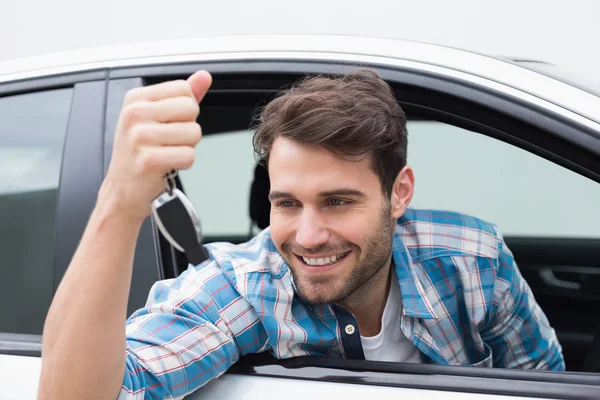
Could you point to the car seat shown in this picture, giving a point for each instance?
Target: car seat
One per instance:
(260, 206)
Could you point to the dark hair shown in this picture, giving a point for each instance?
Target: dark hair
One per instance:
(350, 116)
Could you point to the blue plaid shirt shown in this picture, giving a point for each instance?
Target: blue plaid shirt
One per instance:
(464, 303)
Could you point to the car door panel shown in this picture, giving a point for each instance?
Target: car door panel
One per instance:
(78, 182)
(233, 386)
(564, 275)
(20, 377)
(392, 380)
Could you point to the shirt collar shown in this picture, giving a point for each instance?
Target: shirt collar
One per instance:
(414, 300)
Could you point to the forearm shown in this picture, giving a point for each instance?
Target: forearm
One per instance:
(83, 352)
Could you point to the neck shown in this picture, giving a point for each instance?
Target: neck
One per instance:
(368, 302)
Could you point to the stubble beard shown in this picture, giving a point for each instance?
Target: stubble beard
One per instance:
(328, 290)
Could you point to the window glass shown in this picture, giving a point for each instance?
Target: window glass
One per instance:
(522, 193)
(219, 183)
(455, 169)
(32, 134)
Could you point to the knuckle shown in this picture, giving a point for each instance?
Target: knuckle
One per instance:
(193, 107)
(145, 161)
(130, 95)
(188, 157)
(138, 134)
(134, 112)
(197, 133)
(179, 88)
(185, 87)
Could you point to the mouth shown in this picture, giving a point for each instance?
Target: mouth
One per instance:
(321, 262)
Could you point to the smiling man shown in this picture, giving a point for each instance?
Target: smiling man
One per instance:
(346, 268)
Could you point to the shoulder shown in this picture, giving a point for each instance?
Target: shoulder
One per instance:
(230, 267)
(258, 255)
(437, 233)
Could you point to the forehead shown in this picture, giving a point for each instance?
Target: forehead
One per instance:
(296, 167)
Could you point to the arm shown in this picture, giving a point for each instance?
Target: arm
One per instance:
(83, 345)
(83, 338)
(192, 330)
(518, 331)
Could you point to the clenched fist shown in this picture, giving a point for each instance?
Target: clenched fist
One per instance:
(157, 132)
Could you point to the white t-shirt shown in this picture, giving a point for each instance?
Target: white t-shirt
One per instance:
(390, 344)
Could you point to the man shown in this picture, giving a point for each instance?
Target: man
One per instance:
(346, 269)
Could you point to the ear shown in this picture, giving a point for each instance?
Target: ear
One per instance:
(402, 191)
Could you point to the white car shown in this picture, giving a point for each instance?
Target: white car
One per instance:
(509, 141)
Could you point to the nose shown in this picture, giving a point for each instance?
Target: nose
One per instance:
(312, 229)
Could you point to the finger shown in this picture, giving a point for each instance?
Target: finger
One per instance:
(174, 109)
(200, 82)
(171, 134)
(160, 91)
(162, 159)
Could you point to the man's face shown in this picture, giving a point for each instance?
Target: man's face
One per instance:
(329, 220)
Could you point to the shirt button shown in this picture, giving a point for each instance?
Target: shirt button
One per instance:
(350, 329)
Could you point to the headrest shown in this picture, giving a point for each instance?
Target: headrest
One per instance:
(260, 207)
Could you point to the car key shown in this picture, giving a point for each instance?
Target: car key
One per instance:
(178, 221)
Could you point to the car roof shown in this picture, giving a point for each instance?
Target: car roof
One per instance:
(144, 53)
(310, 47)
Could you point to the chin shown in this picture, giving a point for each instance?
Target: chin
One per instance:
(318, 287)
(317, 298)
(317, 292)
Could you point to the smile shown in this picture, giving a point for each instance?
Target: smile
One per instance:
(312, 261)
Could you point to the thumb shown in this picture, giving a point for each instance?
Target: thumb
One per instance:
(200, 82)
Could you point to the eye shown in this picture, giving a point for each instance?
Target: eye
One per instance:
(336, 202)
(285, 204)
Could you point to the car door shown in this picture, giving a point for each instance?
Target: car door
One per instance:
(52, 162)
(30, 158)
(446, 116)
(37, 121)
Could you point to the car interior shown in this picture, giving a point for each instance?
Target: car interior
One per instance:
(563, 273)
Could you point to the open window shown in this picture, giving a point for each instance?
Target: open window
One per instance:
(473, 151)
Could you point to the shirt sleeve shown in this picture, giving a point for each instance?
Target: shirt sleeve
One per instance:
(518, 332)
(191, 330)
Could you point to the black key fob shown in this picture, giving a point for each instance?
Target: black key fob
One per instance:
(179, 223)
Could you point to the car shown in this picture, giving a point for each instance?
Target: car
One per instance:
(510, 141)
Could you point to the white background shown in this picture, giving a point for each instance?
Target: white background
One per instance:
(563, 32)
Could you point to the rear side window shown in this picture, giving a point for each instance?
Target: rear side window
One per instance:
(32, 134)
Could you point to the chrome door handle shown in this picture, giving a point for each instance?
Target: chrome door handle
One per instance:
(552, 281)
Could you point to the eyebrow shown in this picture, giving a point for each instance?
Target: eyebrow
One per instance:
(337, 192)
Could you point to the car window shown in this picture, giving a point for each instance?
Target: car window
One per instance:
(219, 183)
(32, 134)
(455, 169)
(525, 195)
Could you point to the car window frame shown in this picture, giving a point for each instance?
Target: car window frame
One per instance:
(568, 138)
(147, 265)
(30, 344)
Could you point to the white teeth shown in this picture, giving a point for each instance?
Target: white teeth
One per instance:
(323, 261)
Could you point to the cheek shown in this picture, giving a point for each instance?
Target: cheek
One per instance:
(280, 229)
(352, 226)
